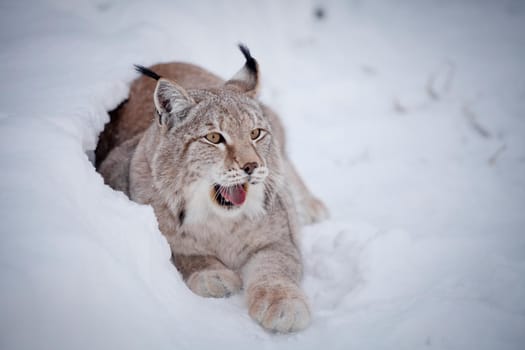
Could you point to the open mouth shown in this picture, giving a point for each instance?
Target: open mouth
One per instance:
(230, 196)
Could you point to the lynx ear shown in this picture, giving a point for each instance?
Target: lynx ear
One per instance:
(171, 102)
(247, 79)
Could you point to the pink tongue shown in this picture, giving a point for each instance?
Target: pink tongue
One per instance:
(235, 194)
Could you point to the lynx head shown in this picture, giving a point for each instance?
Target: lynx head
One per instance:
(214, 150)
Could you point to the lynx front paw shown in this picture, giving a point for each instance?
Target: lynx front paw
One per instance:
(214, 283)
(313, 211)
(279, 308)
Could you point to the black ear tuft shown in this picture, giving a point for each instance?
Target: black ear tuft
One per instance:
(246, 80)
(147, 72)
(251, 64)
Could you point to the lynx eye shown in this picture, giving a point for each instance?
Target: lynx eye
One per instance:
(214, 137)
(255, 133)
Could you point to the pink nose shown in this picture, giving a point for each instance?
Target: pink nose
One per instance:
(250, 167)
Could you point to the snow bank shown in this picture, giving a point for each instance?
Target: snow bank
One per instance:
(405, 116)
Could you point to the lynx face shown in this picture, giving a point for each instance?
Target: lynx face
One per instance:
(219, 154)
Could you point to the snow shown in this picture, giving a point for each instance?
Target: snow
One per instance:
(406, 117)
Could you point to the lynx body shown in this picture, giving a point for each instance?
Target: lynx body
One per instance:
(210, 159)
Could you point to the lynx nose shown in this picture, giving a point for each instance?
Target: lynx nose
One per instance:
(250, 167)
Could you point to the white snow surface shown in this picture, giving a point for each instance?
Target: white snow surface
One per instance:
(407, 117)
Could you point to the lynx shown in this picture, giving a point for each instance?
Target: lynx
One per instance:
(210, 159)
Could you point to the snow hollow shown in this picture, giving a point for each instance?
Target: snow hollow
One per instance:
(407, 117)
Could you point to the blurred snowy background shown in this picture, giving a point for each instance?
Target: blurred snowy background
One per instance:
(406, 116)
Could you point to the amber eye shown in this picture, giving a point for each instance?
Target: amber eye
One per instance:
(255, 133)
(214, 137)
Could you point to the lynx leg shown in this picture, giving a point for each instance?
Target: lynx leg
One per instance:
(115, 167)
(273, 295)
(309, 208)
(207, 276)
